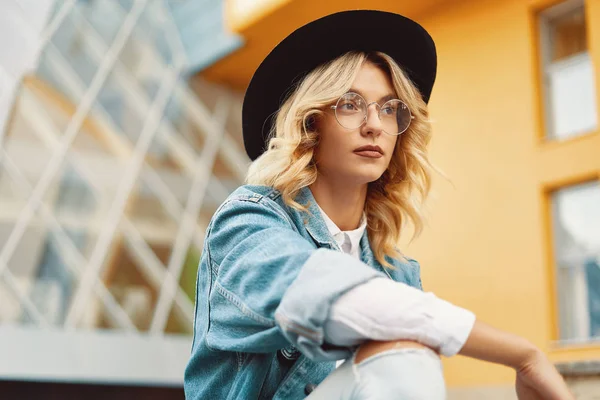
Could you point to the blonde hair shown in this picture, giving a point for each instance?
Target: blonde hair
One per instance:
(397, 196)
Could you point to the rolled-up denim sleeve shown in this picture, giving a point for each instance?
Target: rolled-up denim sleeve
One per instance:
(256, 256)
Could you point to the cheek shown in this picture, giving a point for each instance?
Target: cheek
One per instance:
(391, 147)
(331, 140)
(326, 153)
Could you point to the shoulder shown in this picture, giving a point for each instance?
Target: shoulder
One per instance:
(249, 217)
(254, 193)
(262, 196)
(266, 195)
(407, 270)
(249, 204)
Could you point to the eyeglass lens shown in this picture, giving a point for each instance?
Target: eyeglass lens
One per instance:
(351, 112)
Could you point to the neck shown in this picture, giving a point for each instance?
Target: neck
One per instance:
(343, 203)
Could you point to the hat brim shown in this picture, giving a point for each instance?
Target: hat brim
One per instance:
(313, 44)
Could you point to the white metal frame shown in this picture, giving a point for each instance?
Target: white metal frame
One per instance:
(56, 161)
(198, 167)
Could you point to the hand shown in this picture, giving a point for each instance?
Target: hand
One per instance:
(538, 379)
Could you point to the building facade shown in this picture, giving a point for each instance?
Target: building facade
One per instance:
(112, 161)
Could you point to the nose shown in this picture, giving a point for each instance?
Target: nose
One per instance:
(372, 125)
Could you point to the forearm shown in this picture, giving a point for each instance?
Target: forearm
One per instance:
(389, 312)
(494, 345)
(484, 343)
(384, 310)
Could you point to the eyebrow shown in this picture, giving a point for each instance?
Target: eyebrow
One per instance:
(383, 99)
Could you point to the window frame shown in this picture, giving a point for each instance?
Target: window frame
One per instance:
(556, 341)
(543, 18)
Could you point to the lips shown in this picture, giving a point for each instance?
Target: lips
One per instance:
(369, 151)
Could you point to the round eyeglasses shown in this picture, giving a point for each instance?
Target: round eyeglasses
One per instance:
(351, 112)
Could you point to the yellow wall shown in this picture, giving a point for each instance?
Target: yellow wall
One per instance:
(488, 246)
(488, 243)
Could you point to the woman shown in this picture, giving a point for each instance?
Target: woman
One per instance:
(295, 272)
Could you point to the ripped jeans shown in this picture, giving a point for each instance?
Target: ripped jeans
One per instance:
(402, 373)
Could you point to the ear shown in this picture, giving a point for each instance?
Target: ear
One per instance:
(310, 123)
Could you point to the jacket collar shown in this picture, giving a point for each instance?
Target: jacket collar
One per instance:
(317, 229)
(367, 256)
(313, 221)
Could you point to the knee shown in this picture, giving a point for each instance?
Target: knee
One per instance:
(372, 348)
(408, 371)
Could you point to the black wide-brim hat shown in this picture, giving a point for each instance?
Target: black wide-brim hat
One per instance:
(323, 40)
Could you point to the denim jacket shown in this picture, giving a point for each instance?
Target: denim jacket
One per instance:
(267, 278)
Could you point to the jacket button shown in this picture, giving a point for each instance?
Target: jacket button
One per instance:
(308, 389)
(290, 353)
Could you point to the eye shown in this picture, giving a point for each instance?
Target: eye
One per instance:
(348, 106)
(389, 110)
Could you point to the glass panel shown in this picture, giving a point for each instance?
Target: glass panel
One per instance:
(233, 125)
(142, 65)
(154, 221)
(177, 323)
(18, 126)
(131, 286)
(73, 201)
(208, 92)
(106, 17)
(68, 43)
(48, 256)
(125, 114)
(215, 195)
(571, 88)
(187, 132)
(13, 194)
(39, 266)
(125, 4)
(23, 144)
(150, 216)
(576, 215)
(95, 315)
(187, 280)
(153, 30)
(146, 52)
(226, 175)
(162, 251)
(163, 160)
(54, 279)
(568, 34)
(54, 10)
(56, 80)
(49, 111)
(11, 310)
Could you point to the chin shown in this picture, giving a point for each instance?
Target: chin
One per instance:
(365, 177)
(371, 174)
(354, 175)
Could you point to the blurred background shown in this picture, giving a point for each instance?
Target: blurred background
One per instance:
(120, 134)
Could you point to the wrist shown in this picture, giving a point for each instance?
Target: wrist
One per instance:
(490, 344)
(528, 354)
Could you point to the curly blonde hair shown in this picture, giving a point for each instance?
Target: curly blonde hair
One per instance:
(397, 196)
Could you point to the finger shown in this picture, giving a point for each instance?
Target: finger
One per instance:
(525, 392)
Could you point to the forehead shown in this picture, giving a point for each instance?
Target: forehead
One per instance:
(371, 80)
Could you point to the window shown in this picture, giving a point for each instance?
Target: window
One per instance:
(576, 220)
(568, 73)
